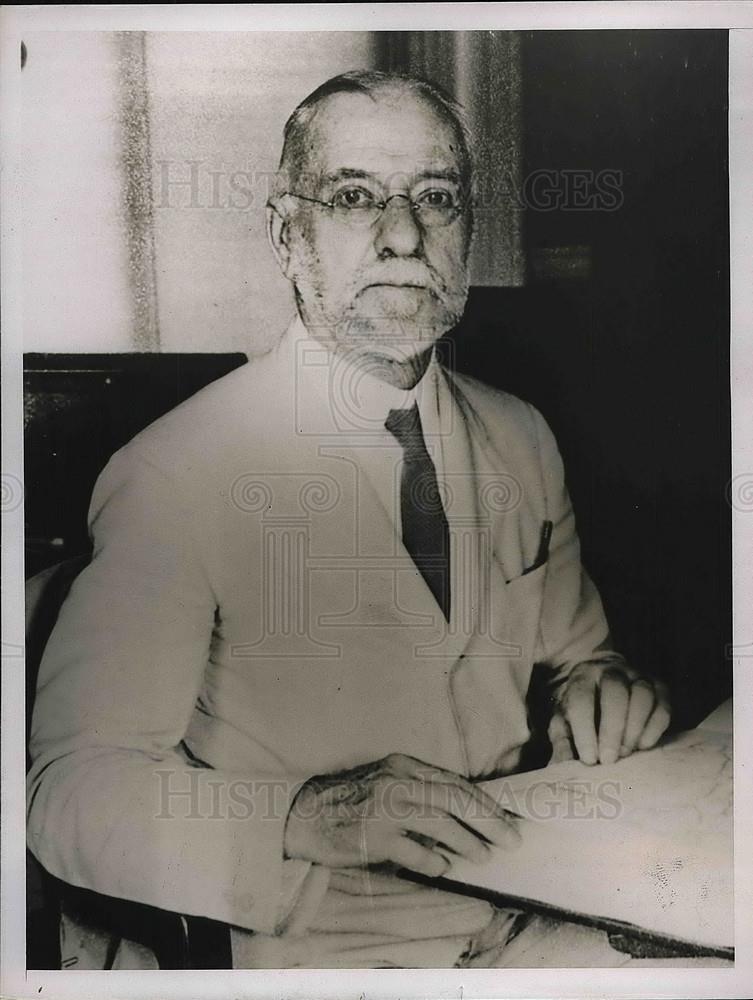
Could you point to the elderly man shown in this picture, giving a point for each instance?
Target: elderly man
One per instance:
(318, 590)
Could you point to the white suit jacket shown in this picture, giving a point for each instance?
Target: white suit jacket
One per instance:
(250, 618)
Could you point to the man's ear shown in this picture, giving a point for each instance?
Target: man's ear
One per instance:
(278, 233)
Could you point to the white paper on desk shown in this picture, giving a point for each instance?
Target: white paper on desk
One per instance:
(647, 840)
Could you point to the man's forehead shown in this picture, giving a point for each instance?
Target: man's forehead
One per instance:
(387, 132)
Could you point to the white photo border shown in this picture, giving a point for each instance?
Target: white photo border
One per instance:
(629, 982)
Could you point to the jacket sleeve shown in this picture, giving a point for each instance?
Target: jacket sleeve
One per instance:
(114, 805)
(573, 628)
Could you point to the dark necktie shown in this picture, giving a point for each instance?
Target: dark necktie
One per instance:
(426, 534)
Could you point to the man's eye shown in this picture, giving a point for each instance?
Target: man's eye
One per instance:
(437, 198)
(353, 197)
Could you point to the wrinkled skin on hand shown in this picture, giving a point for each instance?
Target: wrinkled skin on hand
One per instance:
(396, 810)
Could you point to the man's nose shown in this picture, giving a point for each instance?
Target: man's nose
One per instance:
(397, 231)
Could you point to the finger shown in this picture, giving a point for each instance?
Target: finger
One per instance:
(465, 799)
(467, 804)
(642, 701)
(427, 773)
(416, 858)
(657, 723)
(579, 710)
(614, 699)
(559, 737)
(447, 832)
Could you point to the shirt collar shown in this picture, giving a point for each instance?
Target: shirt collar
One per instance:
(336, 396)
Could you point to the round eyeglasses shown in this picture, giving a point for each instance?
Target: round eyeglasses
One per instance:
(355, 206)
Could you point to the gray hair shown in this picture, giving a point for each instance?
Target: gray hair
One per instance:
(370, 82)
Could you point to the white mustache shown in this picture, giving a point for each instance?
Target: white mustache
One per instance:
(419, 276)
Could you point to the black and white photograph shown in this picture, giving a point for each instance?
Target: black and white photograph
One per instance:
(375, 395)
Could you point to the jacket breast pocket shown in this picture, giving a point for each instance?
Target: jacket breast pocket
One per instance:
(542, 553)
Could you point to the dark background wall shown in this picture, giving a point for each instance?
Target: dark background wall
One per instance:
(620, 337)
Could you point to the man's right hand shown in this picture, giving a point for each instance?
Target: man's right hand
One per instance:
(397, 810)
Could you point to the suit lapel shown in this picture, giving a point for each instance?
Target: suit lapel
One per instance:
(484, 503)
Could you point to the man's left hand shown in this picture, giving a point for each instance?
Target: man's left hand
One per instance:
(605, 711)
